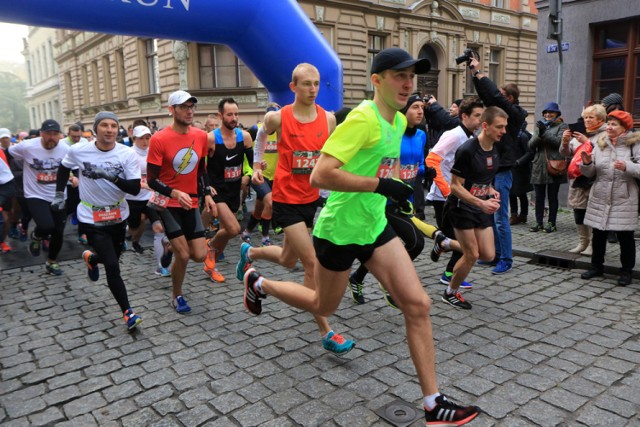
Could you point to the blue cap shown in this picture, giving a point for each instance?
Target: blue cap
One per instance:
(552, 107)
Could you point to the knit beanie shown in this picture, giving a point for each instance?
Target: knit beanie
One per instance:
(612, 98)
(102, 115)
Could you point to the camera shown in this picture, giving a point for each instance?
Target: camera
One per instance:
(466, 56)
(427, 98)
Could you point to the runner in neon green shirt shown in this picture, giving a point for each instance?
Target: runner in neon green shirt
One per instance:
(357, 161)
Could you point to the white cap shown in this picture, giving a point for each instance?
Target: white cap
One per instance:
(140, 131)
(5, 133)
(180, 97)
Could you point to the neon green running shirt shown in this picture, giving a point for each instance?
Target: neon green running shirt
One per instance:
(367, 145)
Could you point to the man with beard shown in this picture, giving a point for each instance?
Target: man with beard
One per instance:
(41, 159)
(176, 171)
(228, 145)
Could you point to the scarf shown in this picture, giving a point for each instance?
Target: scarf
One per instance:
(595, 128)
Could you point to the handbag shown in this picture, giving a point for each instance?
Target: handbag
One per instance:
(555, 167)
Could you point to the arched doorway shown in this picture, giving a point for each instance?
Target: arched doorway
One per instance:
(428, 83)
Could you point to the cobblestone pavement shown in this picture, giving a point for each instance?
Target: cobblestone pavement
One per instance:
(541, 347)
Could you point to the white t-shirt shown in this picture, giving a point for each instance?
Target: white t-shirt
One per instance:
(446, 148)
(141, 155)
(40, 167)
(5, 172)
(101, 198)
(68, 141)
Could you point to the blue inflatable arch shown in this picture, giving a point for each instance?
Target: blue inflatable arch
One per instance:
(270, 36)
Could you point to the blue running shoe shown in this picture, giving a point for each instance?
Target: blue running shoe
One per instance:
(446, 279)
(163, 272)
(34, 246)
(180, 304)
(92, 267)
(336, 343)
(74, 219)
(131, 319)
(53, 268)
(221, 256)
(243, 265)
(502, 267)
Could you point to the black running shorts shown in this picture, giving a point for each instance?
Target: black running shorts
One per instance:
(285, 214)
(181, 222)
(340, 257)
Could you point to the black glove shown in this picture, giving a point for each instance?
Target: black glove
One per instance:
(394, 189)
(99, 173)
(541, 127)
(516, 164)
(58, 204)
(405, 207)
(430, 173)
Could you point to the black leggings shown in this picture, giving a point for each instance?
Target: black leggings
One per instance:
(48, 223)
(107, 242)
(627, 249)
(405, 229)
(551, 191)
(447, 229)
(578, 216)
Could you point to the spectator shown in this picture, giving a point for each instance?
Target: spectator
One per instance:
(521, 179)
(613, 198)
(545, 145)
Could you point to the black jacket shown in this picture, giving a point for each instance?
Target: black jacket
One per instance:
(491, 96)
(438, 121)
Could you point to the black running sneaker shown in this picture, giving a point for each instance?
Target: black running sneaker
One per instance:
(455, 299)
(438, 238)
(167, 253)
(446, 413)
(137, 248)
(251, 296)
(356, 291)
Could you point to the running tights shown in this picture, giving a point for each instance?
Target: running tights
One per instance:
(48, 223)
(107, 242)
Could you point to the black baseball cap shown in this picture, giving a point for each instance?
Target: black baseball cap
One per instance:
(50, 125)
(394, 58)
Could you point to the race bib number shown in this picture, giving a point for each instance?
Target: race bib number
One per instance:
(232, 173)
(158, 201)
(106, 215)
(46, 177)
(304, 161)
(481, 191)
(385, 170)
(272, 147)
(408, 172)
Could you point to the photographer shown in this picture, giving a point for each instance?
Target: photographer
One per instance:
(507, 99)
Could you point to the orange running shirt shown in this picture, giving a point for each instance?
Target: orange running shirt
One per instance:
(178, 156)
(298, 151)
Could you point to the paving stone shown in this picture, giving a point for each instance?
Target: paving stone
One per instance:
(197, 416)
(114, 411)
(47, 417)
(168, 406)
(127, 390)
(154, 395)
(62, 395)
(593, 416)
(84, 405)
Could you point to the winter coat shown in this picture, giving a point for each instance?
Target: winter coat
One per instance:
(613, 199)
(521, 171)
(578, 196)
(549, 141)
(438, 122)
(490, 95)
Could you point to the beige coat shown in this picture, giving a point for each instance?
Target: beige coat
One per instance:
(613, 199)
(578, 197)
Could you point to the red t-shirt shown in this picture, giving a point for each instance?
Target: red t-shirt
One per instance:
(178, 156)
(299, 147)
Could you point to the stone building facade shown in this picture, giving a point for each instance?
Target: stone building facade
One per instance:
(134, 76)
(43, 88)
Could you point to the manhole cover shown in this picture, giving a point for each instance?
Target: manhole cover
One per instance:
(399, 413)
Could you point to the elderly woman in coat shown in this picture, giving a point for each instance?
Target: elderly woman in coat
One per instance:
(613, 198)
(594, 121)
(545, 145)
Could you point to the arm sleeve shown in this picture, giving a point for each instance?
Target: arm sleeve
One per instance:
(62, 177)
(131, 186)
(433, 161)
(153, 175)
(260, 144)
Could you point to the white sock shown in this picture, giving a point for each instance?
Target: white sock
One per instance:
(450, 290)
(447, 244)
(430, 401)
(158, 249)
(258, 285)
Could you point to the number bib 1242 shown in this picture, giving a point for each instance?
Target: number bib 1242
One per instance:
(304, 161)
(385, 170)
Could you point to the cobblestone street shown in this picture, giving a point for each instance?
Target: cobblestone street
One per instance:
(541, 347)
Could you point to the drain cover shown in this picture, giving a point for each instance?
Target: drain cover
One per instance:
(399, 413)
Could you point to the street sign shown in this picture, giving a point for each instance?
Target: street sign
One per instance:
(552, 48)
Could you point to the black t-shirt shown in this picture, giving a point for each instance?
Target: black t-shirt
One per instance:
(478, 168)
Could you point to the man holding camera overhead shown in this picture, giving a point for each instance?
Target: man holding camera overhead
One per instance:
(507, 99)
